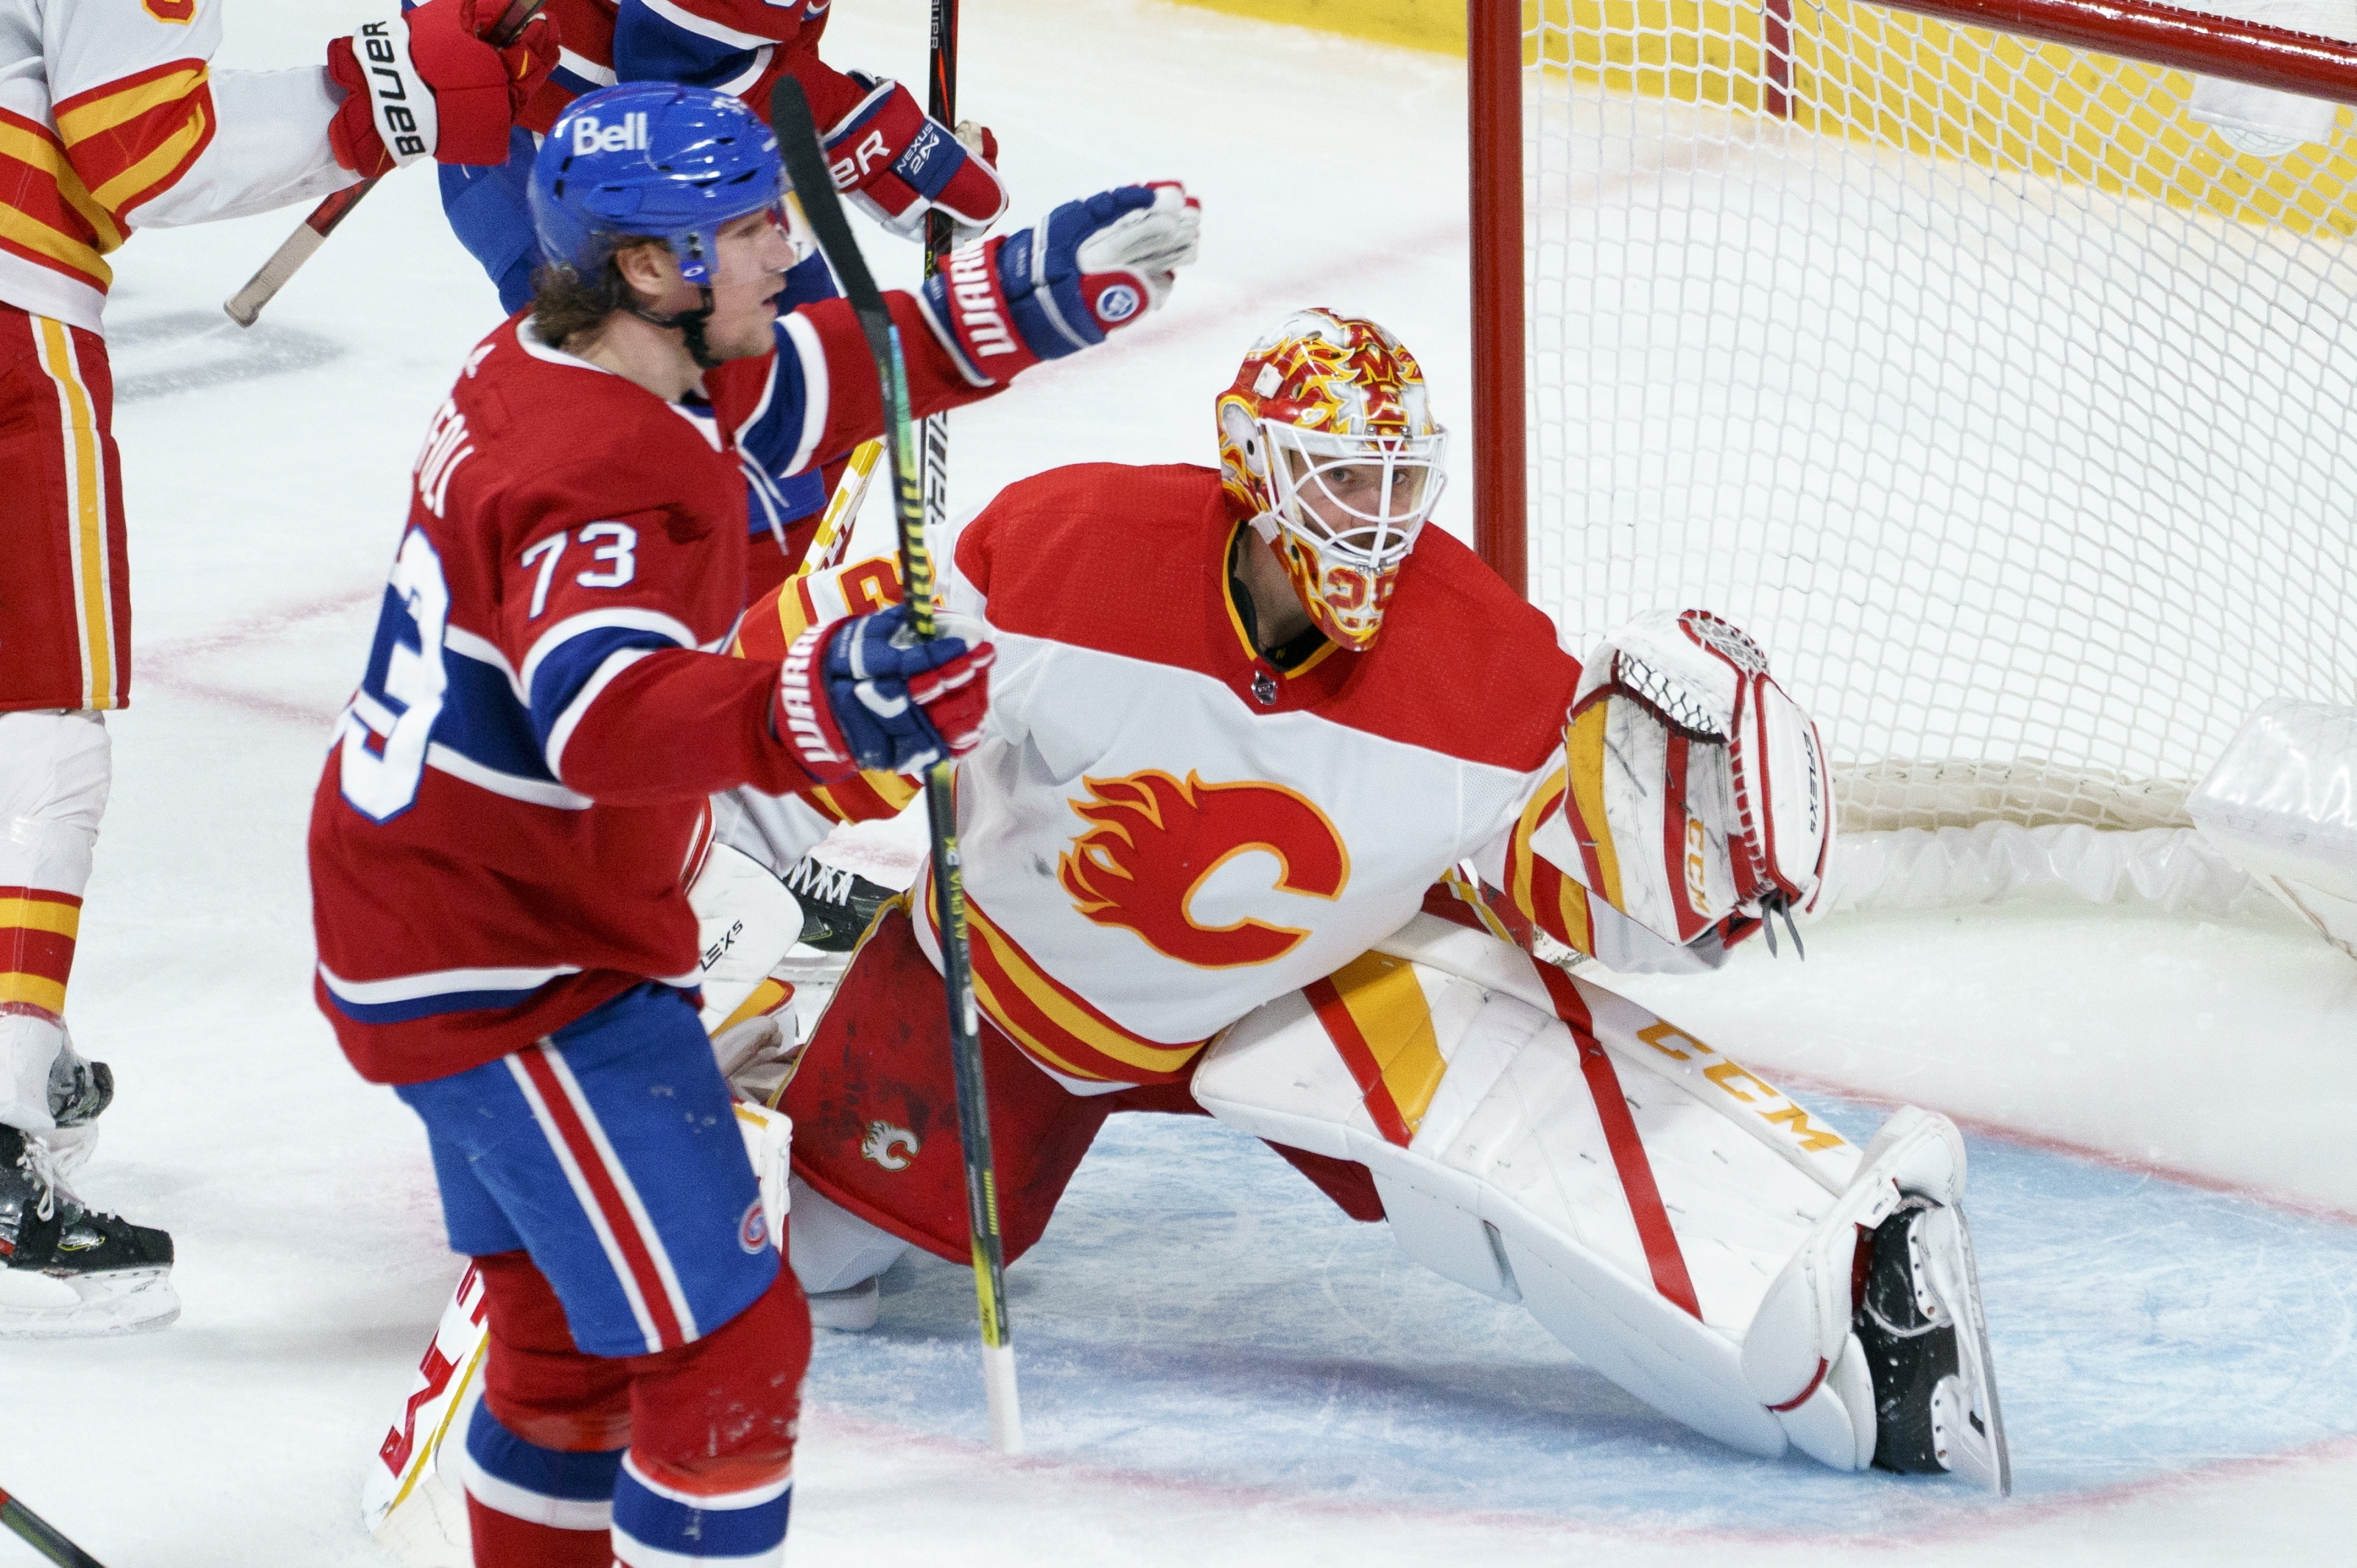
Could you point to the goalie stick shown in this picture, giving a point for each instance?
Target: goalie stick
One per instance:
(806, 167)
(43, 1536)
(244, 306)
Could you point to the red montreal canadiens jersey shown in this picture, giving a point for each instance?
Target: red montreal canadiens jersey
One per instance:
(733, 46)
(1163, 831)
(517, 790)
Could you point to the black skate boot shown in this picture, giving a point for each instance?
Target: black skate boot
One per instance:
(1934, 1406)
(838, 905)
(67, 1269)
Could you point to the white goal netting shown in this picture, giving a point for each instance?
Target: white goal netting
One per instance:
(2010, 410)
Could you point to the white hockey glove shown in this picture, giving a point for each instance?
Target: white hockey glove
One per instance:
(1698, 790)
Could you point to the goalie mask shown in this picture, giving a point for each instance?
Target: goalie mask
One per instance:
(1328, 442)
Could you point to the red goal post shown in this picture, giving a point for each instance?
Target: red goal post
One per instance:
(1940, 348)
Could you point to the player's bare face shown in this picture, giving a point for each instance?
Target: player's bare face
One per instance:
(751, 259)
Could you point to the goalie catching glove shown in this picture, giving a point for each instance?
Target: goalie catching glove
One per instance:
(1004, 305)
(426, 84)
(1700, 794)
(867, 693)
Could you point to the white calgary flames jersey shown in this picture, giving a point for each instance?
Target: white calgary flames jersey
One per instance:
(111, 115)
(1163, 831)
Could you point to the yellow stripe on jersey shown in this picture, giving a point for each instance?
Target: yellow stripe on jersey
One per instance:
(149, 171)
(1054, 1023)
(87, 119)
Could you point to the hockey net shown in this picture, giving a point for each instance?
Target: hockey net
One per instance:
(2008, 406)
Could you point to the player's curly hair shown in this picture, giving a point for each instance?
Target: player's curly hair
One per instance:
(565, 304)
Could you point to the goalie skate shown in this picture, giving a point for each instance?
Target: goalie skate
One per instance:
(70, 1271)
(1926, 1345)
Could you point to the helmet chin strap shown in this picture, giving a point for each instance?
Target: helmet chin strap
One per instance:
(691, 325)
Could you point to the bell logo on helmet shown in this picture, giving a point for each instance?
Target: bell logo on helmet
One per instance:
(1154, 843)
(1117, 304)
(592, 136)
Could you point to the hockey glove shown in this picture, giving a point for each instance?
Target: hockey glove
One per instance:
(424, 84)
(864, 693)
(1700, 799)
(897, 163)
(1002, 306)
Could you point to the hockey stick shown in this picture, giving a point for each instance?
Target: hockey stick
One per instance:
(940, 233)
(244, 306)
(805, 160)
(828, 545)
(43, 1536)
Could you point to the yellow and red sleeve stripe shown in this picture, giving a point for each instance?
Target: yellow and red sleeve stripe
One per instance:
(1051, 1021)
(37, 929)
(793, 607)
(48, 217)
(1556, 904)
(132, 138)
(1375, 1011)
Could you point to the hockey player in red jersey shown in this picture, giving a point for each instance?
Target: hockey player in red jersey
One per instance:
(890, 157)
(1270, 769)
(502, 836)
(113, 117)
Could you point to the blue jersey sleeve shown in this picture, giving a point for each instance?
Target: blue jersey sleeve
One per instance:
(771, 441)
(491, 215)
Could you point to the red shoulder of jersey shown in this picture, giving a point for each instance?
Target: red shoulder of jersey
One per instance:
(1133, 562)
(574, 442)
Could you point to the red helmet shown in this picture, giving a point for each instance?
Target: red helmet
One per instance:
(1328, 443)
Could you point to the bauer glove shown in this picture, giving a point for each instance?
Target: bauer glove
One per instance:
(426, 84)
(897, 163)
(864, 693)
(1002, 305)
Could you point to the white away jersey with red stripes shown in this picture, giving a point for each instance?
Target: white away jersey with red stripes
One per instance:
(516, 796)
(111, 115)
(1163, 831)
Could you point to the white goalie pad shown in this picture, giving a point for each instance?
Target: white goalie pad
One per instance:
(2282, 805)
(415, 1507)
(1696, 787)
(747, 922)
(1540, 1140)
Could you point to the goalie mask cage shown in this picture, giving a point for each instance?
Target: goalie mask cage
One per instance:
(2011, 410)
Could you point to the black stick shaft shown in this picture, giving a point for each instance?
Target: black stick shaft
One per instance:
(806, 167)
(940, 234)
(43, 1536)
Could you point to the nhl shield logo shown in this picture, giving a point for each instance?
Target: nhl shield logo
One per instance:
(884, 1142)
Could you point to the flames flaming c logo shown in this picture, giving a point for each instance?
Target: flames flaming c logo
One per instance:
(1152, 842)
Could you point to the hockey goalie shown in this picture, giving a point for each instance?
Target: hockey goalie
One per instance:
(1270, 773)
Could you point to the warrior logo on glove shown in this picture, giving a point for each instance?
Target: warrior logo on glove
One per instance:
(1328, 442)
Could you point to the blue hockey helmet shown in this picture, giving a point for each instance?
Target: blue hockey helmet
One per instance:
(652, 158)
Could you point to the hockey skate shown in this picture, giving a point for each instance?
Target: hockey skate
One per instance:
(1887, 1278)
(66, 1270)
(1919, 1322)
(838, 905)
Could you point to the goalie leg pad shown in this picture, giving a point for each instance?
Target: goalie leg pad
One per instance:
(1517, 1155)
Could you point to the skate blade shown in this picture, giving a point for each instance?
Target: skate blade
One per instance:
(1965, 1406)
(77, 1306)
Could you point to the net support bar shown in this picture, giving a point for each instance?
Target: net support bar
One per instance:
(1494, 125)
(2200, 44)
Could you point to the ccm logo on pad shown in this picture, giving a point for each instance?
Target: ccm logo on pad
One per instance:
(591, 134)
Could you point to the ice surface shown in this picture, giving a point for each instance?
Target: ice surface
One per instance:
(1218, 1368)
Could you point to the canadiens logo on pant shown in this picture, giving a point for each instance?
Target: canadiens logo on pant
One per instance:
(884, 1142)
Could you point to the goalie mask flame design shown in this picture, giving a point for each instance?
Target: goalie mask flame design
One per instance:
(1328, 442)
